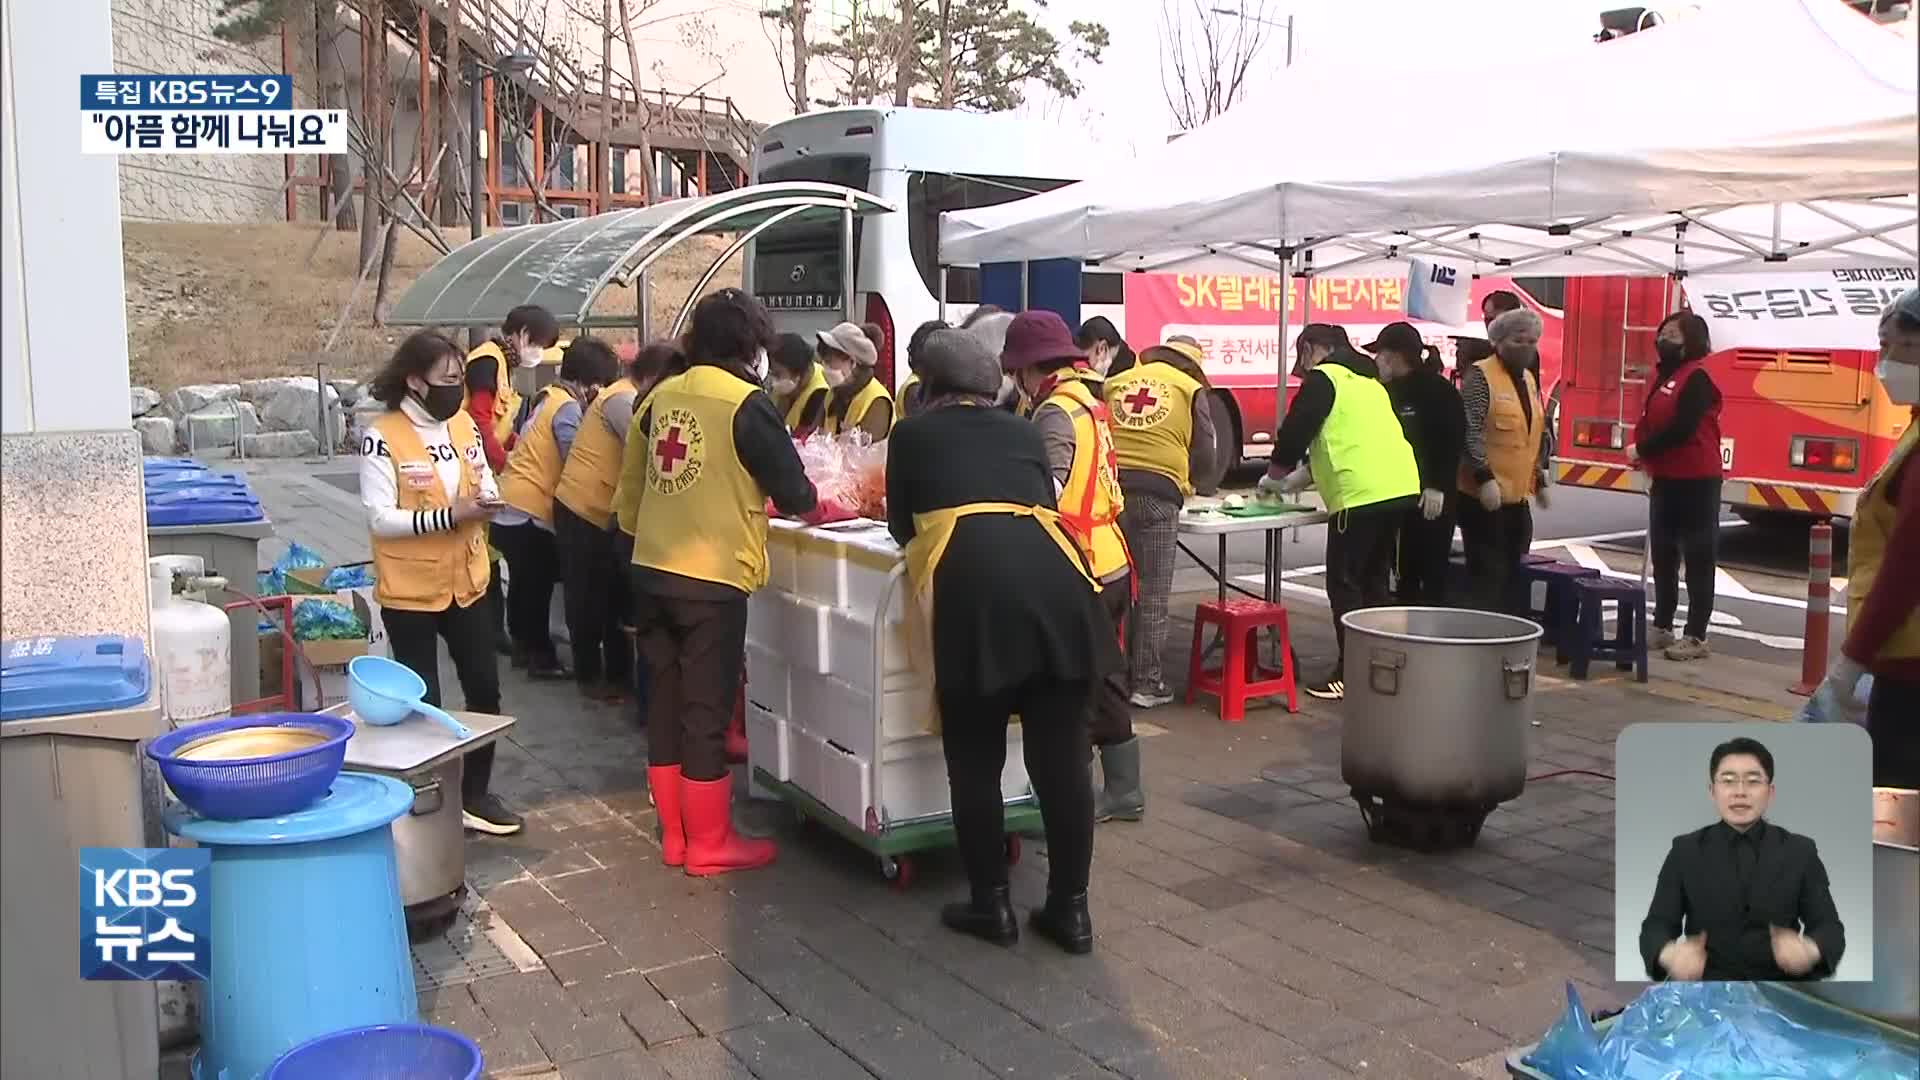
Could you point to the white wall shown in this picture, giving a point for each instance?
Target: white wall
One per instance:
(65, 343)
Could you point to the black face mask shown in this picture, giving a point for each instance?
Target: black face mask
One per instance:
(1670, 352)
(441, 402)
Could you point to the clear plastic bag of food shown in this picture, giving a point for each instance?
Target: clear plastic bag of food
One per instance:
(849, 474)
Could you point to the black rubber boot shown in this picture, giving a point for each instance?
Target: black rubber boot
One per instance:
(988, 916)
(1066, 923)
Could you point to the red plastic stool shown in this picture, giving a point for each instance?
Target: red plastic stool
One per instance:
(1241, 675)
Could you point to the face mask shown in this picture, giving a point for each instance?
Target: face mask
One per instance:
(1901, 380)
(783, 386)
(531, 357)
(837, 376)
(1518, 356)
(441, 402)
(1669, 351)
(760, 364)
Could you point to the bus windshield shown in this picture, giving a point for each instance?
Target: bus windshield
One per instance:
(796, 267)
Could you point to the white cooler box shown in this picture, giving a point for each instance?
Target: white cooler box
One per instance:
(769, 742)
(843, 566)
(838, 711)
(914, 779)
(769, 680)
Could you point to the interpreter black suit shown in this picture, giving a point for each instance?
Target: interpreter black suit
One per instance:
(1737, 887)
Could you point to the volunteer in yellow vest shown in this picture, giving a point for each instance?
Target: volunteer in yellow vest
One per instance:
(798, 385)
(911, 389)
(523, 530)
(428, 492)
(715, 451)
(1883, 596)
(1163, 438)
(1072, 420)
(1343, 424)
(1017, 629)
(858, 401)
(494, 405)
(596, 585)
(1509, 449)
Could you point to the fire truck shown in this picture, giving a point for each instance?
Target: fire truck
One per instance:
(1802, 430)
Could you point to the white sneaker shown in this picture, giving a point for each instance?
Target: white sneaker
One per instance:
(1689, 648)
(1663, 639)
(1331, 690)
(1151, 699)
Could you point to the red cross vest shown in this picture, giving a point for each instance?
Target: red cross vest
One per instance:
(700, 513)
(1697, 458)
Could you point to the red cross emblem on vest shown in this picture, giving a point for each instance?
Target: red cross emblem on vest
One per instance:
(1140, 401)
(670, 450)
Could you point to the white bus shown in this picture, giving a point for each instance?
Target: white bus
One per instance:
(923, 161)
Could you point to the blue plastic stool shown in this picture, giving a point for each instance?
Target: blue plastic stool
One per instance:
(1556, 615)
(309, 935)
(1627, 648)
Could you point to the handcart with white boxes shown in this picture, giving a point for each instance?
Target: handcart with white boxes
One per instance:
(839, 715)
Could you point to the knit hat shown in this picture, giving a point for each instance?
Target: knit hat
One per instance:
(850, 339)
(957, 360)
(1037, 337)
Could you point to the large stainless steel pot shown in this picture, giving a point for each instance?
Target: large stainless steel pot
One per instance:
(428, 840)
(1438, 704)
(1894, 993)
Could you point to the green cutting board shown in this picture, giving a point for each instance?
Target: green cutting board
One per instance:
(1263, 509)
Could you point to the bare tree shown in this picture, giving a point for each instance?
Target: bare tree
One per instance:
(790, 48)
(1205, 56)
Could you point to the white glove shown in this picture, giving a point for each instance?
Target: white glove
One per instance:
(1490, 495)
(1431, 503)
(1270, 485)
(1541, 483)
(1297, 481)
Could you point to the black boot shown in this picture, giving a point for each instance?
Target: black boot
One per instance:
(1065, 922)
(988, 916)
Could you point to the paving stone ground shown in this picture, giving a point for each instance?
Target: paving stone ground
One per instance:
(1247, 928)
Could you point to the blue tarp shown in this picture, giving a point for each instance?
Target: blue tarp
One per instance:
(1721, 1031)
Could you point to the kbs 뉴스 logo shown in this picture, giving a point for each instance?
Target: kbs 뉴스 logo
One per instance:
(1145, 404)
(145, 914)
(679, 449)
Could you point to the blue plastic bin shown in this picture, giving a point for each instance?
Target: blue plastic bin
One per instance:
(309, 934)
(382, 1052)
(201, 504)
(60, 676)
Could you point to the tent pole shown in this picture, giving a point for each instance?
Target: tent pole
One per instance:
(1306, 316)
(846, 265)
(644, 316)
(1275, 552)
(942, 290)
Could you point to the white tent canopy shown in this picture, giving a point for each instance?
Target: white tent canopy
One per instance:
(1765, 134)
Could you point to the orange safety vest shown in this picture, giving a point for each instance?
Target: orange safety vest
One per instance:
(533, 469)
(592, 468)
(1090, 500)
(432, 571)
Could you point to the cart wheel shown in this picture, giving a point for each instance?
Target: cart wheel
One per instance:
(1013, 849)
(898, 870)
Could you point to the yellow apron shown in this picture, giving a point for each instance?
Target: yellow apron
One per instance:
(933, 530)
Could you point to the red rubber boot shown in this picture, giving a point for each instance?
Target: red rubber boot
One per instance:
(712, 845)
(737, 729)
(663, 781)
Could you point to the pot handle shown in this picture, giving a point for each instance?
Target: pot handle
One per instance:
(1518, 677)
(427, 799)
(1383, 671)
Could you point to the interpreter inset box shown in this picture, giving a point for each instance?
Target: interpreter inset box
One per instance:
(1743, 852)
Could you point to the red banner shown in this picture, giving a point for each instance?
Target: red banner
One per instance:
(1235, 318)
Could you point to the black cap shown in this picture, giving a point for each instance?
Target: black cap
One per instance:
(1401, 337)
